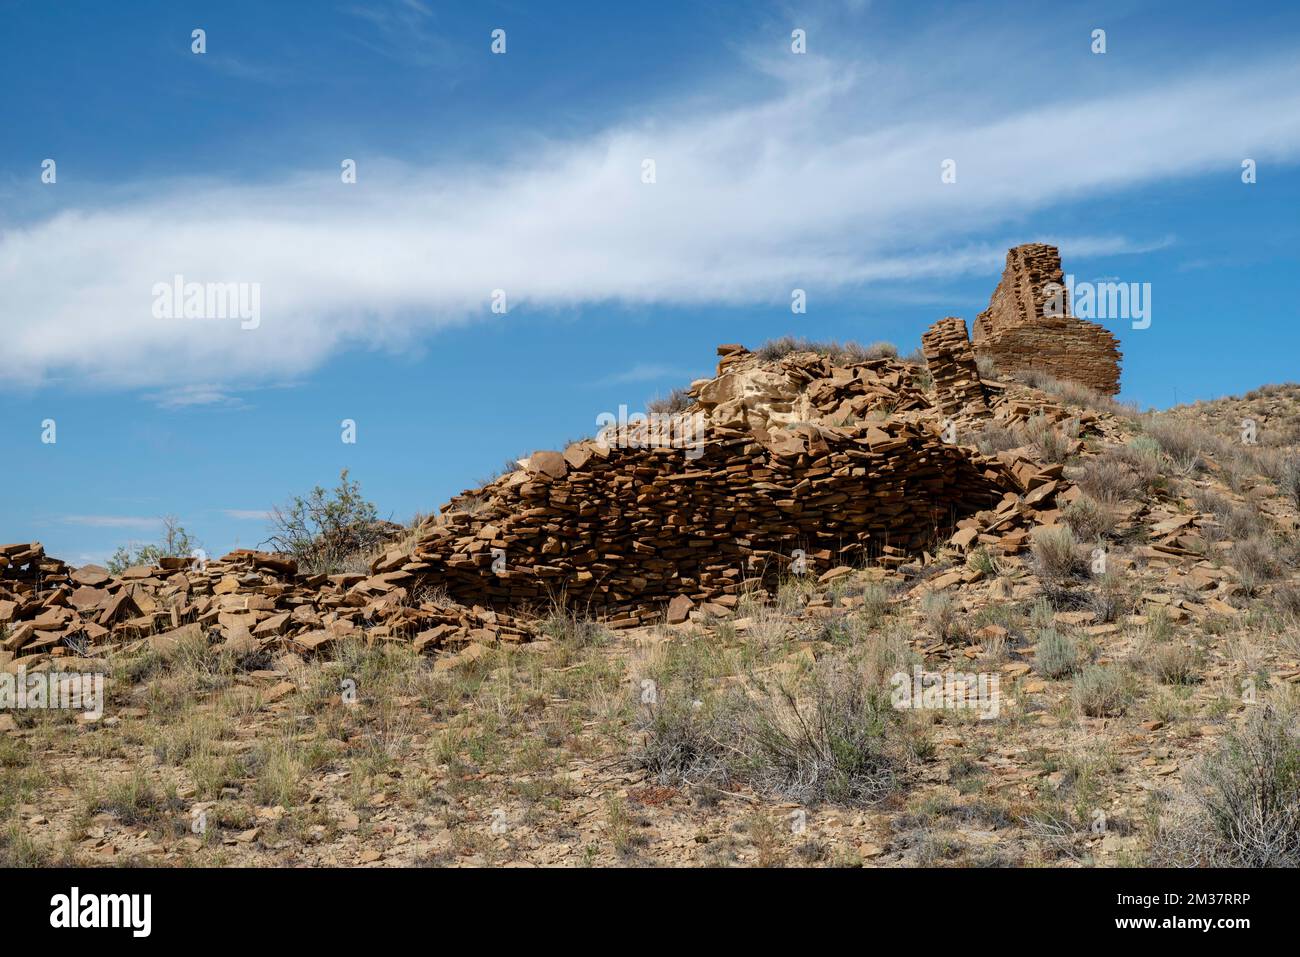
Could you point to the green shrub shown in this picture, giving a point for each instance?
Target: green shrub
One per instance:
(175, 543)
(1101, 691)
(1056, 554)
(1056, 655)
(329, 530)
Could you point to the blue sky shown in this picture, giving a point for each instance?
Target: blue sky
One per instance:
(523, 172)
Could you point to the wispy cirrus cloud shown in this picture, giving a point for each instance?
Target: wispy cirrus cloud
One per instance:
(247, 514)
(194, 394)
(825, 184)
(112, 521)
(643, 372)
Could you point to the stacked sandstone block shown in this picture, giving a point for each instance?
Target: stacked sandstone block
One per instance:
(248, 602)
(951, 361)
(619, 531)
(1019, 331)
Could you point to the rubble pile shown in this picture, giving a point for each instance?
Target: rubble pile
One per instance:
(248, 601)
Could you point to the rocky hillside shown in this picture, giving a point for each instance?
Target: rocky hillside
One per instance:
(1130, 583)
(831, 607)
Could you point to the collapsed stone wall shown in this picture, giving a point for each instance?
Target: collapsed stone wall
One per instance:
(1019, 331)
(254, 601)
(620, 531)
(841, 459)
(951, 361)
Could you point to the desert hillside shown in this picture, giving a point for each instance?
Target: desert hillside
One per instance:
(680, 642)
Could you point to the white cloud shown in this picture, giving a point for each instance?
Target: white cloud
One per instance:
(193, 394)
(825, 186)
(247, 514)
(642, 372)
(112, 521)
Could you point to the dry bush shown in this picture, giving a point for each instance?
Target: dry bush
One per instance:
(1056, 654)
(678, 400)
(1173, 663)
(1244, 800)
(1185, 445)
(1101, 691)
(1237, 521)
(941, 614)
(992, 438)
(1256, 560)
(1050, 441)
(1288, 479)
(1108, 479)
(830, 735)
(1035, 379)
(1089, 519)
(1056, 554)
(1142, 454)
(1110, 599)
(838, 740)
(1286, 602)
(686, 739)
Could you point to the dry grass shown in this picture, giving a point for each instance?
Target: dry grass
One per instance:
(1056, 654)
(1243, 802)
(1056, 554)
(849, 352)
(1073, 393)
(1101, 691)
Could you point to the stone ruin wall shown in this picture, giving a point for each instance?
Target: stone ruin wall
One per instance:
(1018, 334)
(951, 361)
(623, 530)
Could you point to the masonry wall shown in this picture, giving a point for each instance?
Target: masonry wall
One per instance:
(1017, 334)
(951, 361)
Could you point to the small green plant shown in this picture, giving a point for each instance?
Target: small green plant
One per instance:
(1101, 691)
(1056, 655)
(983, 561)
(175, 543)
(328, 530)
(1056, 554)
